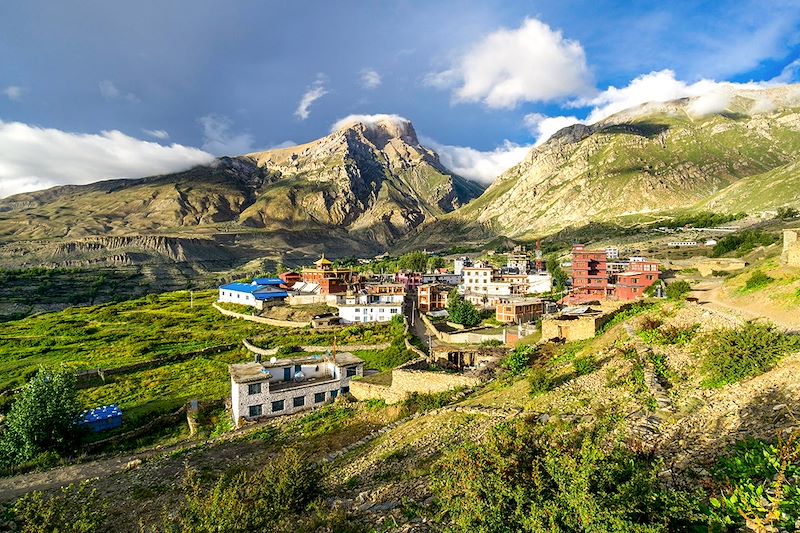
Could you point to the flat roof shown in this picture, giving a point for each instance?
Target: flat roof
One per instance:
(252, 371)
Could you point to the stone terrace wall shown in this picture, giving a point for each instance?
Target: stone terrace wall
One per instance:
(317, 349)
(406, 380)
(791, 247)
(261, 319)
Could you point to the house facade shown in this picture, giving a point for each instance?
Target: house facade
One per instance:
(252, 294)
(432, 296)
(519, 310)
(285, 386)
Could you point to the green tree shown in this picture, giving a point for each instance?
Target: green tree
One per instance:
(414, 261)
(559, 276)
(461, 311)
(42, 417)
(435, 262)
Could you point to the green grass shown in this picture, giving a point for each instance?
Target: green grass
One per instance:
(155, 328)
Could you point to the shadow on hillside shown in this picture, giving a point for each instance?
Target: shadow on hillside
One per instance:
(701, 440)
(642, 129)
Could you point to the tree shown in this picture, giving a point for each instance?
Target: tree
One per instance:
(461, 311)
(414, 261)
(786, 212)
(559, 276)
(435, 262)
(42, 418)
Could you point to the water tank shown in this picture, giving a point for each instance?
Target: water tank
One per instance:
(299, 376)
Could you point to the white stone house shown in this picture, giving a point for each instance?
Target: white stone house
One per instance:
(285, 386)
(362, 307)
(252, 294)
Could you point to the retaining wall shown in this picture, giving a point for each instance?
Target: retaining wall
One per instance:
(316, 349)
(262, 319)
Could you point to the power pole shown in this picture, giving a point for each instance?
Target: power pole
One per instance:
(191, 298)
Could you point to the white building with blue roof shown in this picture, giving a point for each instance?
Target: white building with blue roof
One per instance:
(261, 293)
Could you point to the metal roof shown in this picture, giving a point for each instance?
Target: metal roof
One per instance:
(260, 292)
(268, 281)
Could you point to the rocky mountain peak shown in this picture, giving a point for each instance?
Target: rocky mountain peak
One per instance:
(380, 129)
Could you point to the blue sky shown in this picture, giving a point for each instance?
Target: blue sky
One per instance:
(217, 77)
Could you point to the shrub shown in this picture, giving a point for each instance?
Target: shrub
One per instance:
(520, 481)
(585, 365)
(757, 280)
(743, 242)
(786, 212)
(760, 484)
(539, 381)
(248, 502)
(733, 355)
(73, 510)
(678, 289)
(518, 360)
(287, 351)
(649, 323)
(670, 335)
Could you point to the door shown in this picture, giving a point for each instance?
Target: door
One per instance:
(287, 374)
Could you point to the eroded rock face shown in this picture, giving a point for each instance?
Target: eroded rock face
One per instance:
(374, 180)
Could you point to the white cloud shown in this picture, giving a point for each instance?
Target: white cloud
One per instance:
(709, 104)
(314, 92)
(658, 86)
(532, 63)
(543, 127)
(370, 120)
(109, 91)
(789, 74)
(280, 145)
(370, 79)
(35, 158)
(158, 134)
(220, 140)
(476, 165)
(13, 92)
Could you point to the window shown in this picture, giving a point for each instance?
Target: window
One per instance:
(319, 397)
(299, 401)
(254, 410)
(254, 388)
(277, 406)
(394, 311)
(345, 390)
(351, 372)
(298, 368)
(334, 393)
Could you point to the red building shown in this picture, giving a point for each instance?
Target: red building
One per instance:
(290, 278)
(409, 280)
(331, 280)
(589, 275)
(632, 283)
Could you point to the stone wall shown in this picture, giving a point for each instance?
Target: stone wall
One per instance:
(269, 352)
(407, 379)
(572, 330)
(261, 319)
(791, 247)
(467, 336)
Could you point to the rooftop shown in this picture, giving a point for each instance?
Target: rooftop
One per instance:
(252, 371)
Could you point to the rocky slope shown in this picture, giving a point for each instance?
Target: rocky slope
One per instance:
(364, 185)
(655, 157)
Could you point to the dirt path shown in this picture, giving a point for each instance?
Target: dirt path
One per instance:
(712, 294)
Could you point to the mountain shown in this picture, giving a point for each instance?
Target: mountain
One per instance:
(356, 190)
(653, 158)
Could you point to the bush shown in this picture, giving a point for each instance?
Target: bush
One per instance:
(670, 335)
(585, 365)
(539, 381)
(248, 502)
(742, 243)
(733, 355)
(678, 289)
(757, 280)
(518, 360)
(520, 481)
(74, 510)
(786, 212)
(287, 351)
(760, 481)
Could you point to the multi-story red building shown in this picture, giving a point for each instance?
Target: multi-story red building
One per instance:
(632, 283)
(589, 276)
(594, 279)
(432, 296)
(331, 280)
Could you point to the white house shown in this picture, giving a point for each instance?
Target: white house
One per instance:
(253, 294)
(370, 312)
(285, 386)
(612, 253)
(681, 244)
(540, 282)
(476, 278)
(446, 278)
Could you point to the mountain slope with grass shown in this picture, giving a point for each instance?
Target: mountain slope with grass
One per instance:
(653, 158)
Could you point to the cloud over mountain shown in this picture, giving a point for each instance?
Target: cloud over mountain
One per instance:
(36, 158)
